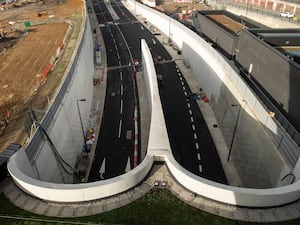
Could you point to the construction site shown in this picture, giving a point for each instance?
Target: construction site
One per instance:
(34, 52)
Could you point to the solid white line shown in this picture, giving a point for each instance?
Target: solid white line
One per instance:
(121, 107)
(120, 127)
(121, 89)
(192, 119)
(197, 145)
(198, 156)
(195, 136)
(193, 127)
(200, 168)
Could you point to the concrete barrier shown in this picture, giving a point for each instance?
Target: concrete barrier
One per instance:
(215, 65)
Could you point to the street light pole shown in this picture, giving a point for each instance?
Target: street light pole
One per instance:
(82, 129)
(234, 131)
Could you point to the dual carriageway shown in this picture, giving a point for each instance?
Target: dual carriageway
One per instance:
(118, 148)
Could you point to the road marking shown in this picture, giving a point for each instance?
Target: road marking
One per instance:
(154, 42)
(193, 127)
(195, 136)
(182, 83)
(114, 41)
(190, 112)
(121, 107)
(198, 156)
(142, 28)
(183, 87)
(197, 145)
(121, 76)
(185, 93)
(102, 169)
(116, 47)
(118, 55)
(192, 119)
(178, 70)
(180, 78)
(188, 105)
(128, 166)
(120, 63)
(121, 89)
(120, 128)
(200, 168)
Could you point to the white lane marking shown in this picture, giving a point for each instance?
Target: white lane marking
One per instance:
(121, 89)
(192, 119)
(177, 70)
(121, 107)
(154, 42)
(120, 128)
(190, 112)
(185, 93)
(114, 41)
(189, 105)
(183, 87)
(120, 63)
(116, 47)
(181, 78)
(102, 169)
(197, 145)
(142, 28)
(118, 55)
(128, 167)
(176, 66)
(182, 83)
(198, 156)
(195, 136)
(200, 168)
(121, 76)
(193, 127)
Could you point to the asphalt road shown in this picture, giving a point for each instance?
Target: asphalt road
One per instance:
(190, 139)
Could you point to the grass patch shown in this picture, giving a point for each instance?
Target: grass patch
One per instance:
(156, 207)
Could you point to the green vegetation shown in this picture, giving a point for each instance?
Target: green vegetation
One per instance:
(157, 207)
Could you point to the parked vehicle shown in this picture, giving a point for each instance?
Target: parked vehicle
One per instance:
(287, 14)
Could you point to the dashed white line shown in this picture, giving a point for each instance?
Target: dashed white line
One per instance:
(120, 128)
(190, 112)
(121, 89)
(180, 78)
(121, 76)
(120, 63)
(118, 55)
(154, 42)
(193, 127)
(200, 168)
(195, 136)
(183, 87)
(198, 156)
(178, 70)
(185, 93)
(192, 119)
(188, 105)
(182, 83)
(121, 107)
(197, 145)
(114, 41)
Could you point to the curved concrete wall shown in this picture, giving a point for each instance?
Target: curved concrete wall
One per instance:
(217, 66)
(156, 150)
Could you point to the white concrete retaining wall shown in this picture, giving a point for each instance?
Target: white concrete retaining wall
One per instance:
(216, 66)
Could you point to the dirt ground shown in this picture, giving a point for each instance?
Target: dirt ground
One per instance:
(227, 22)
(25, 52)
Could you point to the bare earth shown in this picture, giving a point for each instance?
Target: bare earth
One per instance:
(25, 52)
